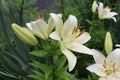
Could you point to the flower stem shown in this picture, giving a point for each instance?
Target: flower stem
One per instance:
(54, 68)
(62, 6)
(62, 9)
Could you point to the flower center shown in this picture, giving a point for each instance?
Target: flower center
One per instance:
(75, 33)
(109, 68)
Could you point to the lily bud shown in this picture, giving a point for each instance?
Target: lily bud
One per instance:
(94, 6)
(24, 35)
(108, 43)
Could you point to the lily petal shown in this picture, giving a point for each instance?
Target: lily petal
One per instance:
(115, 57)
(83, 38)
(110, 14)
(54, 35)
(70, 57)
(98, 57)
(79, 48)
(69, 25)
(114, 19)
(42, 26)
(34, 29)
(102, 78)
(98, 69)
(39, 28)
(100, 9)
(58, 22)
(29, 26)
(113, 77)
(117, 73)
(50, 25)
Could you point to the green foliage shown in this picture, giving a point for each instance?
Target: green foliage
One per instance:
(55, 71)
(14, 58)
(96, 27)
(49, 64)
(46, 62)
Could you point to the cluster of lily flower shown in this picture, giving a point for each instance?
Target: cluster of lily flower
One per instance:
(72, 39)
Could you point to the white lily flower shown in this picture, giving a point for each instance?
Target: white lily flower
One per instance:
(108, 68)
(70, 38)
(104, 13)
(40, 28)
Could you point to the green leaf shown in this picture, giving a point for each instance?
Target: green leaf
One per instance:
(8, 74)
(39, 53)
(11, 66)
(4, 5)
(41, 66)
(38, 73)
(17, 59)
(37, 77)
(65, 76)
(47, 69)
(60, 63)
(62, 75)
(88, 21)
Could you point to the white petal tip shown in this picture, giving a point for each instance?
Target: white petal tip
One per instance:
(117, 45)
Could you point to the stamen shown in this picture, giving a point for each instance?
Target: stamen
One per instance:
(43, 15)
(108, 8)
(74, 30)
(114, 67)
(104, 64)
(40, 16)
(81, 32)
